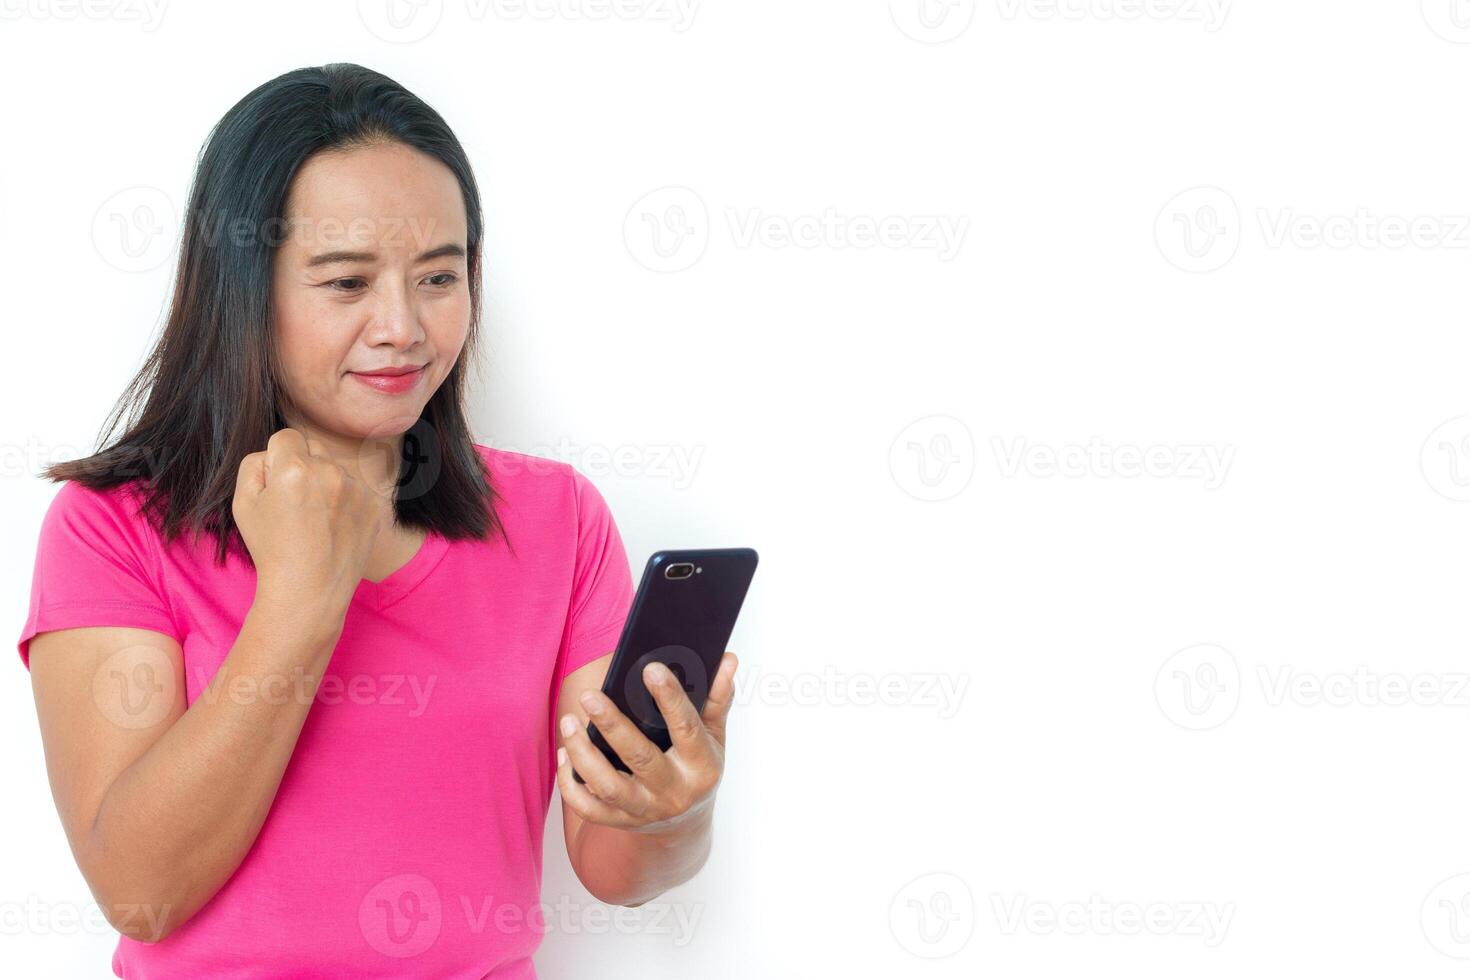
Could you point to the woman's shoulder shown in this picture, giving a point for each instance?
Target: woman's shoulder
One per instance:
(109, 521)
(537, 475)
(541, 481)
(117, 506)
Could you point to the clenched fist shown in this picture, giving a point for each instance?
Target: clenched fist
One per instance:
(309, 524)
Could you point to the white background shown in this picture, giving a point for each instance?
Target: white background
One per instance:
(1211, 721)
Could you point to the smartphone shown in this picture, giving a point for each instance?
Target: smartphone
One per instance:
(682, 616)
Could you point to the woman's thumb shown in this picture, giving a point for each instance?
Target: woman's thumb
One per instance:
(251, 478)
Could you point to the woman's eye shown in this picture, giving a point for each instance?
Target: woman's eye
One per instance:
(352, 284)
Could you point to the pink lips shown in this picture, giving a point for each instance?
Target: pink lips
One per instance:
(389, 383)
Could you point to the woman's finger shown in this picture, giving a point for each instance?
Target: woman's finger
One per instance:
(721, 697)
(582, 802)
(643, 757)
(686, 729)
(604, 782)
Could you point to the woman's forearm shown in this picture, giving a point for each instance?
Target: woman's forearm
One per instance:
(630, 867)
(176, 823)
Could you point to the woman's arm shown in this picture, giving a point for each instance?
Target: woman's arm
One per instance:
(161, 803)
(161, 799)
(632, 837)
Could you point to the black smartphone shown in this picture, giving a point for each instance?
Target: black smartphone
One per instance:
(682, 616)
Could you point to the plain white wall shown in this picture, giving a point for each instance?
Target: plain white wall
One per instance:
(1090, 375)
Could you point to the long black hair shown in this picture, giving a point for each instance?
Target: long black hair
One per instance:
(210, 392)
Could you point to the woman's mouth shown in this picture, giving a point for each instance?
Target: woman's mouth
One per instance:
(392, 381)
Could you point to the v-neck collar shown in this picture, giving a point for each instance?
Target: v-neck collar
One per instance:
(380, 595)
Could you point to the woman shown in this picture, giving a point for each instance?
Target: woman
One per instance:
(297, 642)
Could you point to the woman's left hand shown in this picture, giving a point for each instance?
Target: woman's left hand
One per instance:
(665, 789)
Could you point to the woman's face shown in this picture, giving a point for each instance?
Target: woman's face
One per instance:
(371, 275)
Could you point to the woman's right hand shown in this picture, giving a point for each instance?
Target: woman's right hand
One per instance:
(309, 524)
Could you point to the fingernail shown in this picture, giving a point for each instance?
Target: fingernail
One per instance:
(592, 702)
(568, 724)
(561, 756)
(658, 673)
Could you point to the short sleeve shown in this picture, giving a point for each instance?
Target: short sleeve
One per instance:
(602, 583)
(95, 565)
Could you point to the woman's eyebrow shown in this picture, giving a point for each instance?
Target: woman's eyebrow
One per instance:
(328, 258)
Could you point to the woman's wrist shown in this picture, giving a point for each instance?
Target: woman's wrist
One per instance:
(294, 619)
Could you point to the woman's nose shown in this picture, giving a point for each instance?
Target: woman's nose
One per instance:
(396, 320)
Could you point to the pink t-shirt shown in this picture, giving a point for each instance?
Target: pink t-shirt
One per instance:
(405, 839)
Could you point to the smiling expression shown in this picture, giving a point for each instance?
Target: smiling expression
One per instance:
(372, 275)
